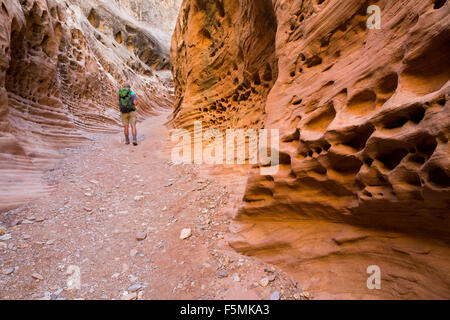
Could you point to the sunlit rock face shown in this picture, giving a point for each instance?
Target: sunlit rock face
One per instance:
(364, 122)
(61, 64)
(159, 14)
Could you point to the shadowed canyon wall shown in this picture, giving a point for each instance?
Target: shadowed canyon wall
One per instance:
(364, 122)
(224, 62)
(61, 64)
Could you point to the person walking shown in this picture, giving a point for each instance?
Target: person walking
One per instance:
(127, 105)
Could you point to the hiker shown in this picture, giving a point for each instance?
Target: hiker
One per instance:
(127, 104)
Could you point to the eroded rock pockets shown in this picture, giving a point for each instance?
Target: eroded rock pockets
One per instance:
(371, 124)
(361, 102)
(363, 114)
(224, 62)
(59, 76)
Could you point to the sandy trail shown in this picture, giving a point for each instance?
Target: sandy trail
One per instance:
(105, 196)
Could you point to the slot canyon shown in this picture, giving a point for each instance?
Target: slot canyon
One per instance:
(363, 176)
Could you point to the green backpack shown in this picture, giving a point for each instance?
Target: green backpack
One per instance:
(126, 101)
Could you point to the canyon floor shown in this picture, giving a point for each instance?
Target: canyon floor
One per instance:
(115, 213)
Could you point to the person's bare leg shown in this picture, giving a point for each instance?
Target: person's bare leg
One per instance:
(134, 132)
(126, 132)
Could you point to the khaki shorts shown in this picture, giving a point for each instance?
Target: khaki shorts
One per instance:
(129, 118)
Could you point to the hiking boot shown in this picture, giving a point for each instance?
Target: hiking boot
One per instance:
(127, 140)
(135, 143)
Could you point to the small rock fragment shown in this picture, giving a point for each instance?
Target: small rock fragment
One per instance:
(141, 236)
(8, 271)
(139, 198)
(185, 233)
(264, 282)
(37, 276)
(271, 277)
(15, 222)
(222, 273)
(5, 237)
(135, 287)
(275, 296)
(56, 294)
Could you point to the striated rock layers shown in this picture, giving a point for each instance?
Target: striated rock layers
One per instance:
(364, 122)
(61, 63)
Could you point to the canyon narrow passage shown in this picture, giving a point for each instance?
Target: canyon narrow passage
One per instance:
(356, 94)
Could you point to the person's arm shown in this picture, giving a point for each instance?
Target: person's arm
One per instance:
(135, 100)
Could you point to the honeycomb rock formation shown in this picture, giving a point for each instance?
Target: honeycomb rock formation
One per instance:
(224, 62)
(364, 122)
(61, 64)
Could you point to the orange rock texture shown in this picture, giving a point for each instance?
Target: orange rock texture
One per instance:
(61, 64)
(364, 122)
(224, 62)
